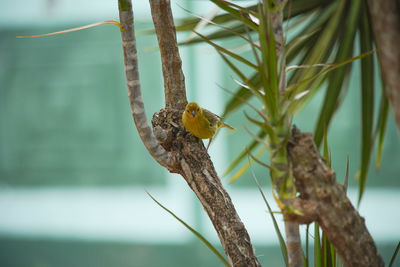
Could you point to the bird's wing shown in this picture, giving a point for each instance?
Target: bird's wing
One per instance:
(211, 117)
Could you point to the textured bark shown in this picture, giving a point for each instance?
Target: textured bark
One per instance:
(330, 206)
(385, 19)
(293, 243)
(174, 80)
(134, 92)
(197, 169)
(171, 145)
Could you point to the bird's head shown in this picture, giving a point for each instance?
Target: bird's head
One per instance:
(193, 109)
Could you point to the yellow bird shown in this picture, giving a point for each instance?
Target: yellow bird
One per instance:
(201, 122)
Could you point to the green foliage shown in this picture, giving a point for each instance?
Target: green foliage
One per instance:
(327, 252)
(317, 247)
(319, 53)
(306, 259)
(381, 127)
(318, 37)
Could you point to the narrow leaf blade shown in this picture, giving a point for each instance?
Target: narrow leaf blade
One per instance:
(253, 144)
(336, 78)
(277, 230)
(197, 234)
(394, 255)
(367, 98)
(317, 247)
(382, 122)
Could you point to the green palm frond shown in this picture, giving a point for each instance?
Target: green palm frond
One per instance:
(367, 98)
(316, 36)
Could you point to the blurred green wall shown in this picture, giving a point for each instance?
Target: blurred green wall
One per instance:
(65, 117)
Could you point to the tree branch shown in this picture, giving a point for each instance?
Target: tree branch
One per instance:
(174, 80)
(336, 215)
(134, 92)
(198, 170)
(385, 21)
(171, 145)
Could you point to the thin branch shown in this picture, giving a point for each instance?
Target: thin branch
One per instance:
(293, 244)
(134, 91)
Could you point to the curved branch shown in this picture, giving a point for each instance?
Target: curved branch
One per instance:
(336, 215)
(134, 92)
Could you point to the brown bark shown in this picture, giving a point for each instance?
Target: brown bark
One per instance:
(385, 19)
(329, 205)
(322, 199)
(196, 167)
(193, 161)
(134, 91)
(174, 80)
(293, 243)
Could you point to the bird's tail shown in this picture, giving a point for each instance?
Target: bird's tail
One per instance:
(226, 126)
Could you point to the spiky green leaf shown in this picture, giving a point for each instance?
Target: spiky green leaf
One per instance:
(197, 234)
(251, 146)
(381, 127)
(317, 247)
(242, 94)
(238, 14)
(367, 97)
(394, 255)
(277, 230)
(226, 51)
(337, 77)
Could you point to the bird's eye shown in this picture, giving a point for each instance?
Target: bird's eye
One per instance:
(198, 109)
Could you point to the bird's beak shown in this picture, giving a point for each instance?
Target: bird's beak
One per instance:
(194, 113)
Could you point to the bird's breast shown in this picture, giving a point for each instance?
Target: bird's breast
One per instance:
(199, 127)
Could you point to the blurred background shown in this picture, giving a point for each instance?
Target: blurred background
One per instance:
(74, 174)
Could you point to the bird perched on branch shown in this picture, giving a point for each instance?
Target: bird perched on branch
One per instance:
(201, 122)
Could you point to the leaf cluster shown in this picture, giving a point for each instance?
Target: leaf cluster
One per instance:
(318, 55)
